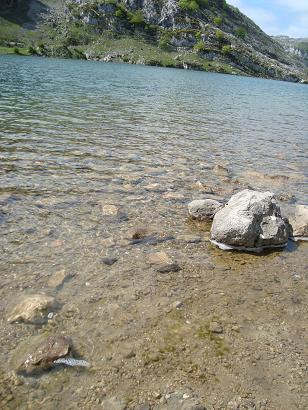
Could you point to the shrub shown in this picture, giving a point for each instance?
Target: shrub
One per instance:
(218, 21)
(193, 5)
(227, 49)
(199, 47)
(190, 5)
(198, 35)
(165, 39)
(16, 50)
(219, 36)
(240, 32)
(136, 18)
(31, 50)
(119, 13)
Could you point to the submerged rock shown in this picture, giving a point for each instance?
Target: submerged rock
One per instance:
(203, 209)
(251, 221)
(168, 267)
(110, 210)
(55, 350)
(159, 258)
(58, 278)
(32, 309)
(109, 260)
(43, 357)
(299, 223)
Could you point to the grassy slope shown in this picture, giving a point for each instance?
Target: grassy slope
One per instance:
(11, 50)
(139, 51)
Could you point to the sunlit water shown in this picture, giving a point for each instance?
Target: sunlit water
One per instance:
(76, 136)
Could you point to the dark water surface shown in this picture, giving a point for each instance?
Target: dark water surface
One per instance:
(77, 136)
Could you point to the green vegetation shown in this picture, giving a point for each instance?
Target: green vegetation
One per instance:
(220, 36)
(218, 21)
(200, 47)
(240, 32)
(12, 50)
(192, 5)
(227, 49)
(303, 46)
(136, 18)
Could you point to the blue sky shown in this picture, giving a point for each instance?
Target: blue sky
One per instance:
(286, 17)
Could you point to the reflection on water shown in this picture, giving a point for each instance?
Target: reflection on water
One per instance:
(76, 136)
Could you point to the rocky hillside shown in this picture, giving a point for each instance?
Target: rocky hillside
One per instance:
(295, 46)
(199, 34)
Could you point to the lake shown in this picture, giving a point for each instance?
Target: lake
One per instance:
(90, 151)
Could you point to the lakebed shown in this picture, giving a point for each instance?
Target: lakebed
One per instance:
(90, 154)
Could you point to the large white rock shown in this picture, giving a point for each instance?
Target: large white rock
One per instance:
(251, 220)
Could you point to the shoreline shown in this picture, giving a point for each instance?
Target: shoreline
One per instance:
(180, 64)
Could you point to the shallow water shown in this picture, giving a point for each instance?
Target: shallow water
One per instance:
(76, 136)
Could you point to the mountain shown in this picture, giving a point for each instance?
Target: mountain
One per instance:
(200, 34)
(297, 47)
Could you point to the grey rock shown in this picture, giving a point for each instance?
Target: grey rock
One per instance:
(251, 220)
(204, 209)
(180, 401)
(299, 222)
(109, 261)
(143, 407)
(168, 267)
(113, 403)
(216, 327)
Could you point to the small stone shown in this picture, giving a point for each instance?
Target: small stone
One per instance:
(173, 196)
(113, 403)
(216, 327)
(166, 268)
(153, 187)
(129, 355)
(220, 170)
(177, 305)
(299, 222)
(110, 210)
(203, 209)
(186, 396)
(159, 258)
(32, 309)
(109, 260)
(58, 278)
(143, 407)
(138, 233)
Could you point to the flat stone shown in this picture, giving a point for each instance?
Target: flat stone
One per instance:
(216, 327)
(203, 209)
(169, 267)
(110, 210)
(220, 170)
(159, 258)
(299, 221)
(173, 196)
(58, 278)
(113, 403)
(32, 309)
(143, 407)
(109, 261)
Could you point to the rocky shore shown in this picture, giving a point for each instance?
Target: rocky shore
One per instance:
(211, 324)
